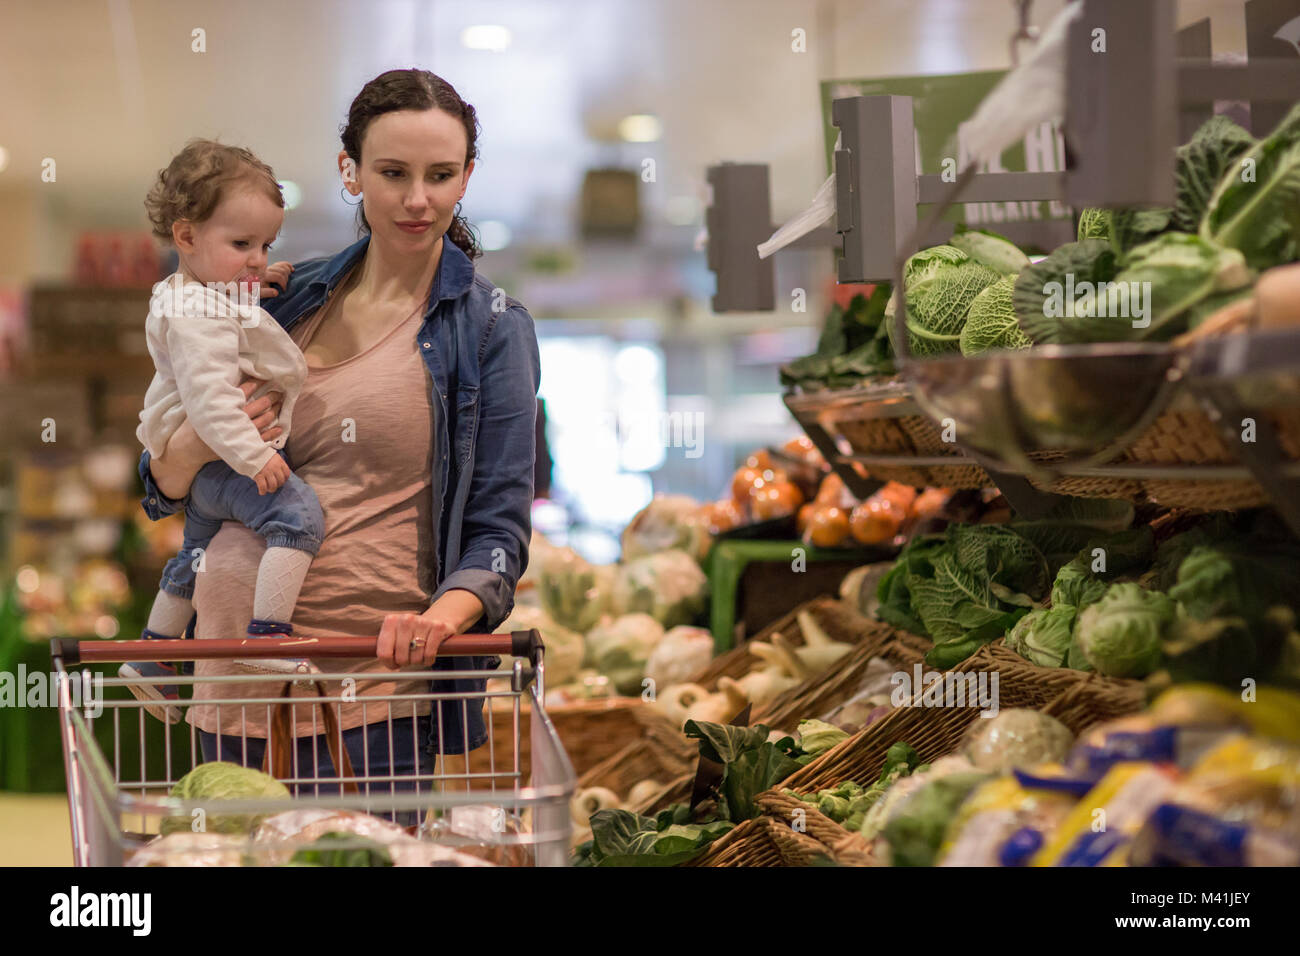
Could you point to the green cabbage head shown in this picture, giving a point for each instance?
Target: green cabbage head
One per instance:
(941, 283)
(1120, 635)
(991, 322)
(219, 781)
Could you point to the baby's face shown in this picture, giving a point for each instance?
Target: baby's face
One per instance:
(233, 244)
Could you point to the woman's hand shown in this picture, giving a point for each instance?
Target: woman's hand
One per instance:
(412, 638)
(174, 470)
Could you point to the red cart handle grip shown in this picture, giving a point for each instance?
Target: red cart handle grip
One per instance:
(517, 643)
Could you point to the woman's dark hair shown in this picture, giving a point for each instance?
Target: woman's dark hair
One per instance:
(412, 90)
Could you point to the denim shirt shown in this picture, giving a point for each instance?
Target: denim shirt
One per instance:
(481, 351)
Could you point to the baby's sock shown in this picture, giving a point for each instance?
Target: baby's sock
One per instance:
(279, 579)
(170, 615)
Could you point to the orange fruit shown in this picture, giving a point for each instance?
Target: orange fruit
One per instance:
(719, 516)
(828, 527)
(929, 502)
(832, 489)
(801, 519)
(760, 460)
(876, 521)
(775, 500)
(899, 494)
(742, 482)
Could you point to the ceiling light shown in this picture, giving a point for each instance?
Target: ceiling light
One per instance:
(493, 235)
(640, 128)
(485, 36)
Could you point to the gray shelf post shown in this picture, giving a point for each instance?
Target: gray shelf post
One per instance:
(875, 184)
(738, 219)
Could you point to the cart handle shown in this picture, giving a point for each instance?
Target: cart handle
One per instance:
(517, 643)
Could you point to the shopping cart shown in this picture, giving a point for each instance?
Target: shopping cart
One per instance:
(119, 798)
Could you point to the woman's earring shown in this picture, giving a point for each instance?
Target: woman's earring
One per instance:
(344, 194)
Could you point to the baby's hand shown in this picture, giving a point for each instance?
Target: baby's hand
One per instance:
(272, 476)
(277, 274)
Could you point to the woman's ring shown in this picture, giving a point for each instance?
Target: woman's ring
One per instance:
(417, 642)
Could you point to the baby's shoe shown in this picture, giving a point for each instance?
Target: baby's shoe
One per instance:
(296, 667)
(152, 691)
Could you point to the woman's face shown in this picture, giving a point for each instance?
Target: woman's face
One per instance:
(412, 174)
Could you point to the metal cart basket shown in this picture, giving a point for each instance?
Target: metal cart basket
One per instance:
(423, 812)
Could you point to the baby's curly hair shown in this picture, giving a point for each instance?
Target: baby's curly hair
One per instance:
(196, 180)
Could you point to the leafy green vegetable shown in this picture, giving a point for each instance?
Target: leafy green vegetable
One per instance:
(1238, 576)
(1254, 207)
(1040, 292)
(342, 849)
(817, 737)
(991, 322)
(1201, 164)
(1078, 585)
(1221, 650)
(1180, 270)
(1043, 636)
(623, 838)
(988, 249)
(1121, 634)
(1094, 224)
(1130, 228)
(752, 763)
(217, 781)
(1071, 525)
(915, 834)
(854, 346)
(940, 283)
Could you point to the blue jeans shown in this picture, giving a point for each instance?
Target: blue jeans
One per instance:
(289, 518)
(367, 748)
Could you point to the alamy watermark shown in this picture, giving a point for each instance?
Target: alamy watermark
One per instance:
(41, 689)
(1088, 300)
(210, 300)
(922, 688)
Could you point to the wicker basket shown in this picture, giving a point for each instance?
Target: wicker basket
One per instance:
(1181, 435)
(811, 699)
(591, 730)
(761, 842)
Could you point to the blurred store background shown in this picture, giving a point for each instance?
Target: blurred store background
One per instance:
(599, 119)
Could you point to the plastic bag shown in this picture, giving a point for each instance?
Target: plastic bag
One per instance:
(820, 212)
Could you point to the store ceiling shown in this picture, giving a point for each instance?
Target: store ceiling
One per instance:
(111, 88)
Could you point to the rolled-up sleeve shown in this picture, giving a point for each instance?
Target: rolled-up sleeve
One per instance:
(497, 522)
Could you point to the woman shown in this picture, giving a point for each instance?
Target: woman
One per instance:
(415, 429)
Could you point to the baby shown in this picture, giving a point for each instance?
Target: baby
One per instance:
(221, 207)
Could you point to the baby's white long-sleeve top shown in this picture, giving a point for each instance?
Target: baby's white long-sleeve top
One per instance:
(203, 343)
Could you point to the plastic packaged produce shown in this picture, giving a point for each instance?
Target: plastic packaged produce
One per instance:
(1123, 799)
(683, 652)
(667, 585)
(620, 648)
(574, 592)
(1017, 737)
(185, 848)
(668, 522)
(1002, 824)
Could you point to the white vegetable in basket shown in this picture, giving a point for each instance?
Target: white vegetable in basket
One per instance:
(820, 651)
(683, 702)
(668, 585)
(782, 672)
(592, 800)
(641, 792)
(1017, 737)
(565, 649)
(667, 522)
(619, 648)
(682, 653)
(574, 592)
